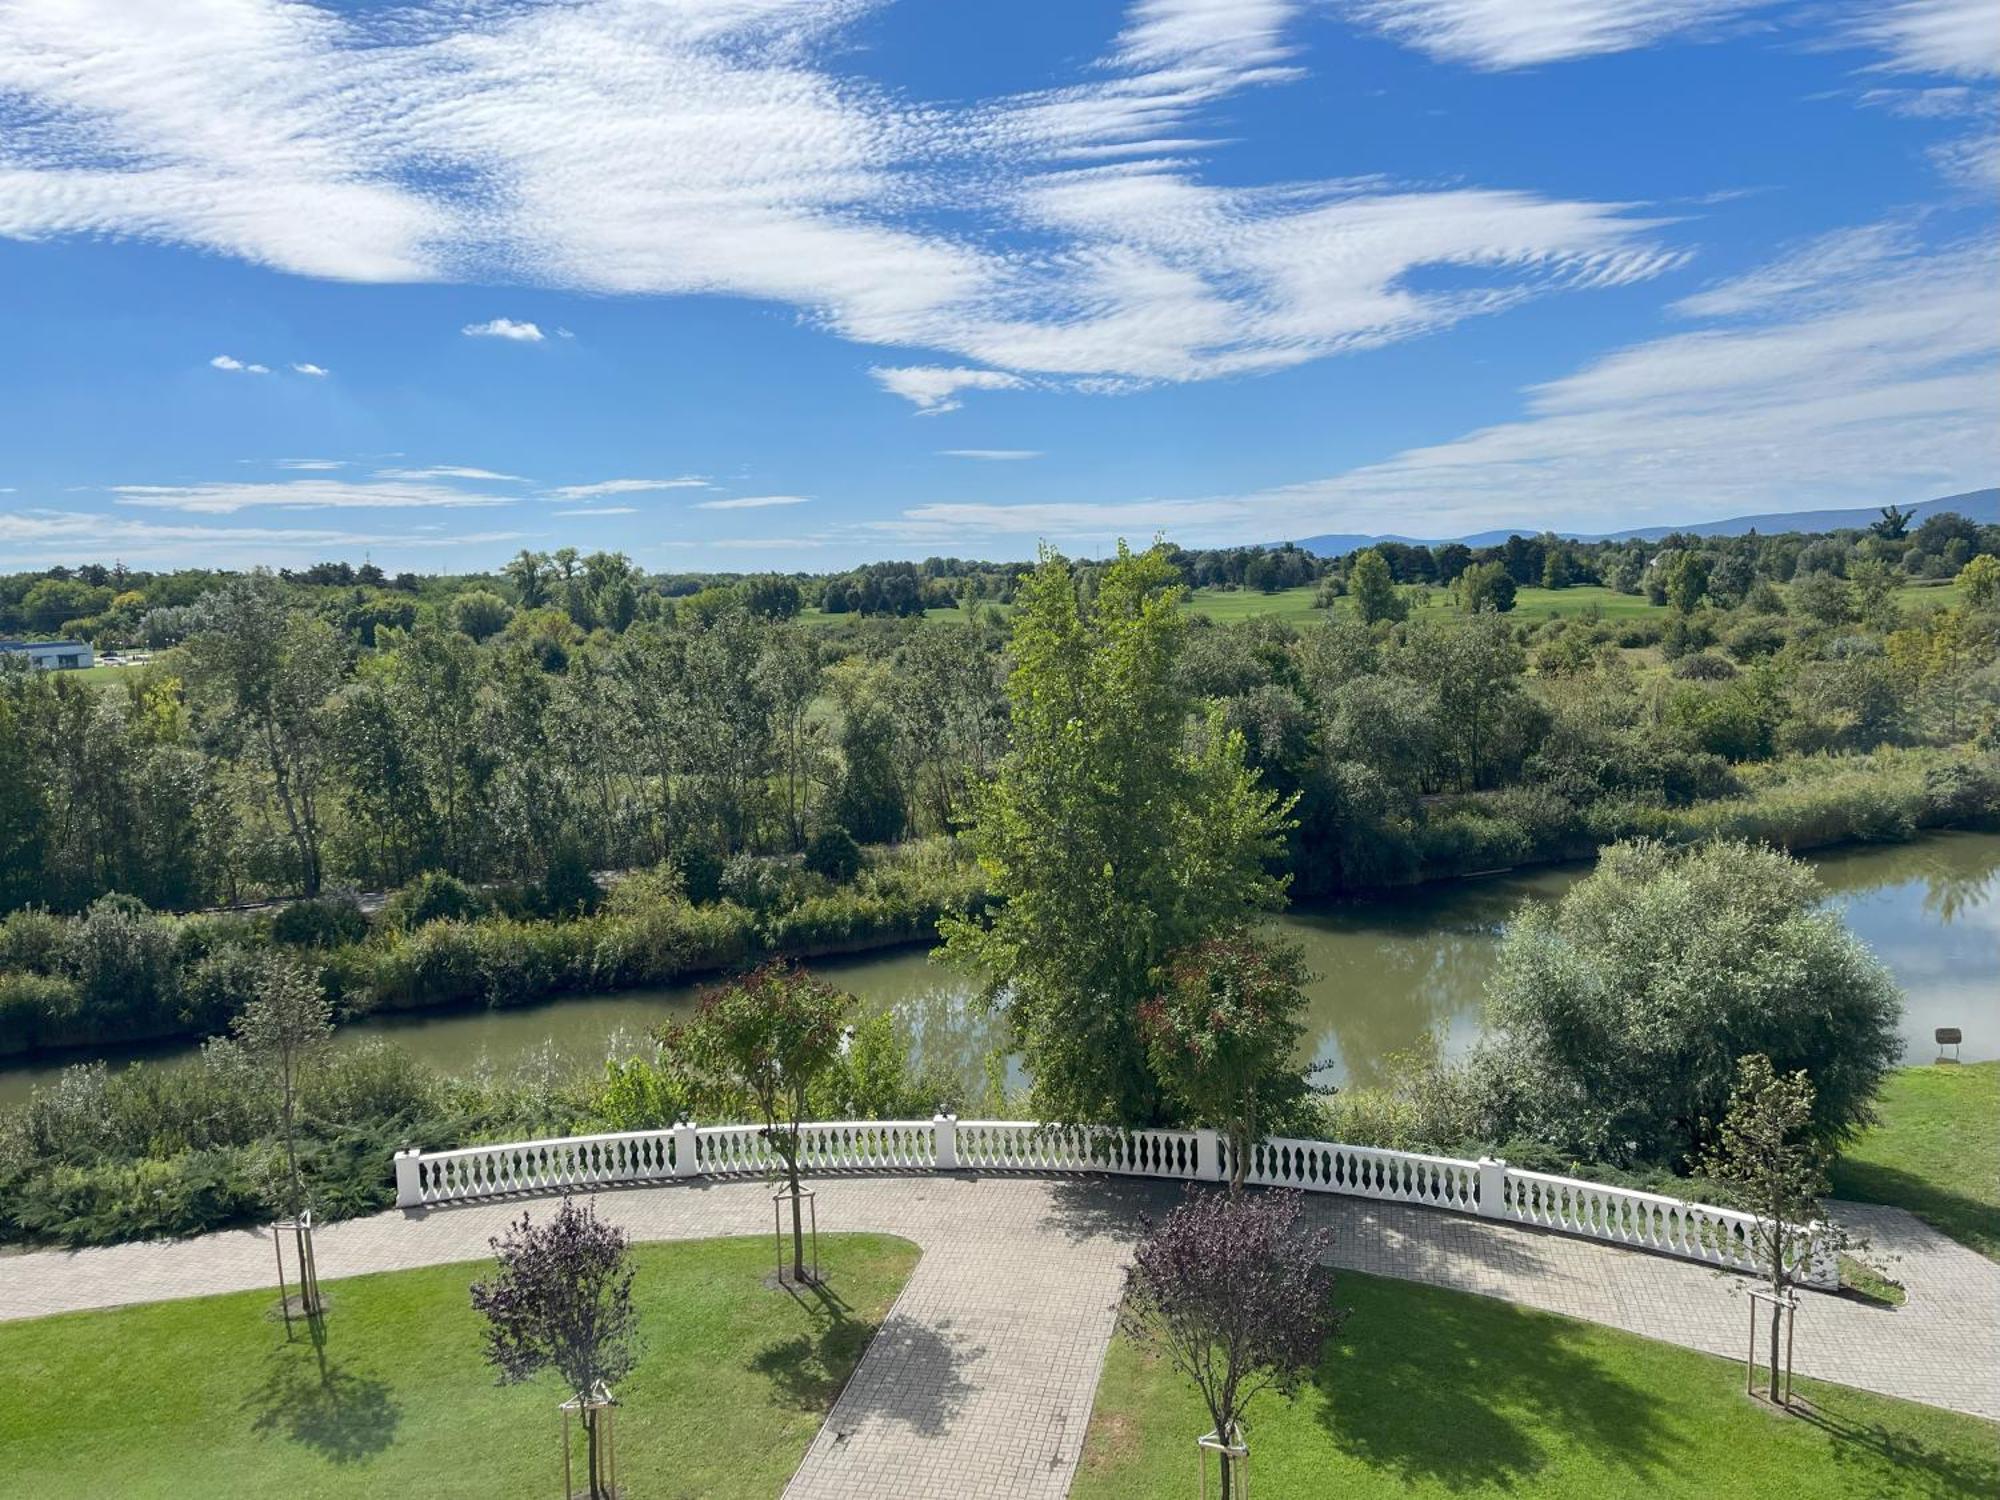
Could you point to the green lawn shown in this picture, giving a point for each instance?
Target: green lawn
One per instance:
(205, 1397)
(1434, 1393)
(1936, 1152)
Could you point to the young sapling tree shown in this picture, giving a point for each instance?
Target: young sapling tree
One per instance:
(561, 1299)
(1235, 1295)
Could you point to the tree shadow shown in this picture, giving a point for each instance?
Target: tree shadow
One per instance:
(809, 1369)
(1453, 1393)
(1089, 1208)
(912, 1374)
(1874, 1446)
(1967, 1220)
(320, 1404)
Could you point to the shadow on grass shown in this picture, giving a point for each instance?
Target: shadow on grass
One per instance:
(1456, 1391)
(1874, 1446)
(809, 1369)
(317, 1403)
(1967, 1220)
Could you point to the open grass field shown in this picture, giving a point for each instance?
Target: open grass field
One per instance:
(205, 1397)
(1935, 1152)
(1429, 1392)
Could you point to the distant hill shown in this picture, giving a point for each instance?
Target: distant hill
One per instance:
(1982, 506)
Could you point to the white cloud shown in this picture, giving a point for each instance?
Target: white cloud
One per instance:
(628, 487)
(309, 465)
(504, 328)
(772, 543)
(708, 147)
(754, 502)
(1960, 38)
(1860, 369)
(310, 369)
(1522, 33)
(38, 538)
(448, 471)
(934, 388)
(991, 455)
(237, 366)
(299, 494)
(598, 510)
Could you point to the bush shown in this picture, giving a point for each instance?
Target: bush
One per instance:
(833, 854)
(700, 871)
(33, 939)
(36, 1010)
(122, 958)
(432, 897)
(322, 922)
(567, 888)
(1703, 666)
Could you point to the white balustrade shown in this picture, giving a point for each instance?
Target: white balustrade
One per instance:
(1491, 1189)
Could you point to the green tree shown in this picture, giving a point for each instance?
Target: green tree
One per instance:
(1486, 588)
(764, 1039)
(1979, 581)
(1686, 577)
(1374, 589)
(1617, 1014)
(480, 613)
(274, 670)
(1114, 833)
(1771, 1164)
(1222, 1035)
(285, 1031)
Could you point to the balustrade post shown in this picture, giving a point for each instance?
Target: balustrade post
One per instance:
(409, 1178)
(944, 1130)
(687, 1162)
(1208, 1155)
(1492, 1188)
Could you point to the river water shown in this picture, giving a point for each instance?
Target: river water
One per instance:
(1385, 972)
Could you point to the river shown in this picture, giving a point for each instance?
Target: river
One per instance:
(1385, 972)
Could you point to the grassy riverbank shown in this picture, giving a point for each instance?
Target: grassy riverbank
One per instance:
(1431, 1393)
(1935, 1152)
(207, 1397)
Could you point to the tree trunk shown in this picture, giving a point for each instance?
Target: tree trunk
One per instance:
(592, 1459)
(798, 1231)
(1776, 1314)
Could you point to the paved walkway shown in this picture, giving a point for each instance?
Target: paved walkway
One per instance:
(981, 1380)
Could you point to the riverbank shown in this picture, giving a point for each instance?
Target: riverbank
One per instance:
(190, 973)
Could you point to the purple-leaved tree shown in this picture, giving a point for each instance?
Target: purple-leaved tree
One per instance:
(1235, 1295)
(562, 1300)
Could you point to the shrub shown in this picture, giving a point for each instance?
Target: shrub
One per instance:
(567, 888)
(218, 986)
(1704, 666)
(834, 855)
(36, 1010)
(432, 897)
(321, 922)
(33, 939)
(700, 870)
(122, 957)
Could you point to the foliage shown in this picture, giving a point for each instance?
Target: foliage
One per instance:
(832, 853)
(284, 1032)
(1233, 1292)
(1221, 1035)
(1486, 588)
(320, 922)
(1111, 835)
(766, 1039)
(561, 1300)
(1617, 1015)
(1374, 590)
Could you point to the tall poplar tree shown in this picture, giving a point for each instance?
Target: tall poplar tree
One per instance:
(1123, 824)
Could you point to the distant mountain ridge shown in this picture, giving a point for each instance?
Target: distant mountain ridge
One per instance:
(1980, 506)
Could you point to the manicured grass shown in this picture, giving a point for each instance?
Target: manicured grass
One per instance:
(1936, 1152)
(1228, 606)
(1433, 1393)
(205, 1397)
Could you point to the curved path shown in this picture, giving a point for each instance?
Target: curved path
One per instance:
(981, 1380)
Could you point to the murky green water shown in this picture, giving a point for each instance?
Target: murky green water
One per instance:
(1386, 971)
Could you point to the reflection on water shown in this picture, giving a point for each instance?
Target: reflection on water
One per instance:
(1385, 972)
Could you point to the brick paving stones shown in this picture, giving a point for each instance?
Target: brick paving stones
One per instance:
(981, 1380)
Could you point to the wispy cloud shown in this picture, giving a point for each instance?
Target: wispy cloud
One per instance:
(1857, 370)
(300, 494)
(754, 502)
(598, 510)
(310, 369)
(310, 465)
(1959, 38)
(991, 455)
(694, 148)
(628, 487)
(504, 328)
(448, 471)
(236, 366)
(1497, 34)
(38, 538)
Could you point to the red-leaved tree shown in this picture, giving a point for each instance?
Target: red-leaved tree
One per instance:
(562, 1300)
(1236, 1296)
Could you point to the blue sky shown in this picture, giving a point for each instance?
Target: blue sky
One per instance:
(733, 284)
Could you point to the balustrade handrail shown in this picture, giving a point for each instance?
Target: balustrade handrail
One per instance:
(1486, 1187)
